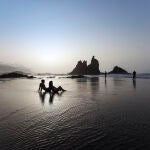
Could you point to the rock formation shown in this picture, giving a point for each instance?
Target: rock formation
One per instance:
(76, 76)
(118, 70)
(83, 69)
(16, 75)
(93, 68)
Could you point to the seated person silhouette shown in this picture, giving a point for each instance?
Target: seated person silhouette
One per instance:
(53, 89)
(42, 86)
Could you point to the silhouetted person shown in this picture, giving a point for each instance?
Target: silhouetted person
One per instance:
(134, 74)
(105, 75)
(42, 86)
(53, 89)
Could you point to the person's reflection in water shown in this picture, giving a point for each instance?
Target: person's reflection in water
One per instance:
(134, 84)
(105, 83)
(51, 98)
(94, 85)
(118, 82)
(42, 97)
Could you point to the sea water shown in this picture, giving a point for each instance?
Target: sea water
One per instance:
(93, 113)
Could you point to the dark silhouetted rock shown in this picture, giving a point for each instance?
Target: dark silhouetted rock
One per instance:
(76, 76)
(30, 77)
(51, 77)
(82, 68)
(93, 68)
(16, 75)
(118, 70)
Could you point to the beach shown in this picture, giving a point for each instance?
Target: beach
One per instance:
(93, 113)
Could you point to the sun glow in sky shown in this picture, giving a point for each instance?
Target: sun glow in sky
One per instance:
(52, 35)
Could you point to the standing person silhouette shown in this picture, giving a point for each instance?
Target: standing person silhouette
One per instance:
(134, 74)
(105, 75)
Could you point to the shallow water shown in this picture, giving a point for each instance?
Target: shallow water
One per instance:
(91, 114)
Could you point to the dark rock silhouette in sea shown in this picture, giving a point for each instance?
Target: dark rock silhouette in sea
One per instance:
(83, 69)
(51, 77)
(16, 75)
(118, 70)
(76, 76)
(73, 76)
(93, 68)
(80, 69)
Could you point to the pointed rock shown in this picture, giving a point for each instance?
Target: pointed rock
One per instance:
(93, 68)
(118, 70)
(82, 68)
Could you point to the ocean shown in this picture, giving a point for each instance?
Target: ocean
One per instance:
(93, 113)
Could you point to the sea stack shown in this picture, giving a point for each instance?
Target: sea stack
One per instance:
(118, 70)
(93, 68)
(83, 69)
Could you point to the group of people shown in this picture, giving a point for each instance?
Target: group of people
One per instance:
(51, 88)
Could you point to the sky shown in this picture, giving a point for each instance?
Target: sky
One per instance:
(52, 35)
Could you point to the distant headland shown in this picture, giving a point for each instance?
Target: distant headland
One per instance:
(16, 74)
(93, 68)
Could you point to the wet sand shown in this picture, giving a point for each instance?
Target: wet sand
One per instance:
(91, 114)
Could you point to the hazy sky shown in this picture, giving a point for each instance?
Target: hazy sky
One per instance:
(52, 35)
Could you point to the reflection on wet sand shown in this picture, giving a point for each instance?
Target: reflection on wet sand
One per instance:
(51, 98)
(88, 111)
(42, 96)
(105, 83)
(118, 82)
(134, 83)
(94, 84)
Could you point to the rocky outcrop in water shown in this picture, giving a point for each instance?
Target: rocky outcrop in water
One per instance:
(76, 76)
(118, 70)
(83, 69)
(93, 68)
(80, 69)
(16, 75)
